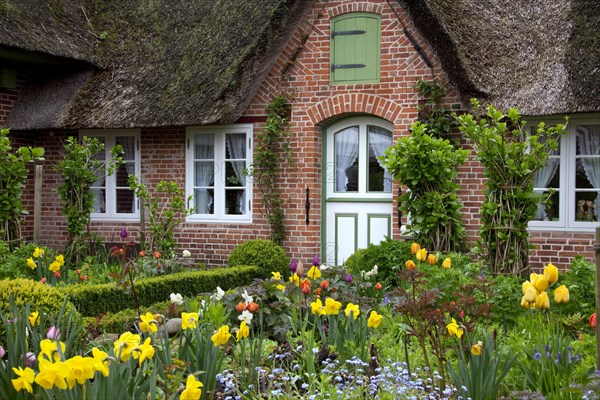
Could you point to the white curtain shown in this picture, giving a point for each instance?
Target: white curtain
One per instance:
(379, 141)
(346, 153)
(236, 144)
(204, 172)
(542, 178)
(588, 141)
(128, 144)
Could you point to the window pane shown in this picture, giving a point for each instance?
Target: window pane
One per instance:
(586, 203)
(125, 201)
(128, 144)
(379, 141)
(551, 212)
(235, 173)
(99, 200)
(203, 201)
(346, 160)
(235, 202)
(204, 173)
(235, 146)
(204, 147)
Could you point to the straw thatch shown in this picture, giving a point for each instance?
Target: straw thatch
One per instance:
(541, 56)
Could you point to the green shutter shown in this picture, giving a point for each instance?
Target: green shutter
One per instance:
(355, 48)
(8, 78)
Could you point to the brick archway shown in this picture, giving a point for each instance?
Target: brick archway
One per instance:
(353, 104)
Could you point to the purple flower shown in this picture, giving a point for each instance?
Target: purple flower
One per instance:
(123, 233)
(316, 261)
(293, 266)
(536, 355)
(29, 359)
(348, 278)
(53, 333)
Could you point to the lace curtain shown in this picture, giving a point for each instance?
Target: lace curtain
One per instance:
(588, 142)
(379, 141)
(346, 153)
(236, 145)
(128, 144)
(204, 172)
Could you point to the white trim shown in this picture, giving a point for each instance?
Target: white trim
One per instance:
(219, 131)
(109, 134)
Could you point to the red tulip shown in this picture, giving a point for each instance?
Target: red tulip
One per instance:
(252, 307)
(593, 320)
(378, 286)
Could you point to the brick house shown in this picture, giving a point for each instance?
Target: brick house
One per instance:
(184, 88)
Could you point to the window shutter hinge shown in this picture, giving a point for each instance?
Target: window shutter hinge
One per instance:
(344, 66)
(344, 33)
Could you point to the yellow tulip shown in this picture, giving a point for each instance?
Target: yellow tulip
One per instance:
(422, 255)
(431, 259)
(447, 263)
(551, 273)
(531, 294)
(374, 320)
(524, 302)
(542, 302)
(561, 294)
(532, 277)
(526, 285)
(410, 265)
(314, 273)
(540, 283)
(414, 248)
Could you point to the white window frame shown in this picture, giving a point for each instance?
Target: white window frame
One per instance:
(568, 169)
(219, 131)
(109, 142)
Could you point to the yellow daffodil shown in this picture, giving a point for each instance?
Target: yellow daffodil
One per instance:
(542, 302)
(332, 307)
(52, 374)
(34, 318)
(422, 255)
(447, 263)
(454, 329)
(410, 265)
(51, 350)
(30, 263)
(314, 273)
(37, 253)
(316, 307)
(100, 361)
(414, 248)
(24, 380)
(243, 332)
(125, 344)
(540, 283)
(54, 266)
(295, 279)
(531, 294)
(192, 389)
(189, 320)
(60, 259)
(352, 308)
(374, 320)
(431, 259)
(476, 349)
(551, 273)
(221, 336)
(80, 369)
(276, 276)
(280, 287)
(148, 323)
(143, 352)
(561, 294)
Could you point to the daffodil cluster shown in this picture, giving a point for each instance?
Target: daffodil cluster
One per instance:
(534, 290)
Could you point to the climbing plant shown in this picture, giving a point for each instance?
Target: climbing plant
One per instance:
(511, 155)
(13, 176)
(427, 165)
(271, 155)
(438, 119)
(80, 167)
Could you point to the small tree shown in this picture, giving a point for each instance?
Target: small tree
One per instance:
(427, 166)
(80, 168)
(13, 175)
(511, 156)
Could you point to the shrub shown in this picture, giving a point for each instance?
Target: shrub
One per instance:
(13, 263)
(580, 279)
(93, 300)
(265, 254)
(389, 256)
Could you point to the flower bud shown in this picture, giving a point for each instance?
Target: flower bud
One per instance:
(410, 265)
(240, 307)
(123, 233)
(348, 278)
(378, 286)
(293, 266)
(53, 333)
(252, 307)
(414, 248)
(324, 284)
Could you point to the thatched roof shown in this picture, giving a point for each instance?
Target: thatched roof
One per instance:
(161, 62)
(541, 56)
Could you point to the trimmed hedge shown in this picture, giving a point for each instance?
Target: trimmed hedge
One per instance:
(267, 255)
(92, 300)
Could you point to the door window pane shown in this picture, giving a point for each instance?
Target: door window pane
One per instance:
(346, 160)
(587, 176)
(379, 141)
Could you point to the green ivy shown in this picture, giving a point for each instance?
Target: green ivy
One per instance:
(511, 156)
(13, 175)
(272, 153)
(427, 166)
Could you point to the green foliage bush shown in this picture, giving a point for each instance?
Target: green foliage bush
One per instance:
(93, 300)
(13, 263)
(389, 256)
(580, 280)
(265, 254)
